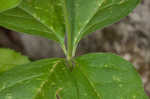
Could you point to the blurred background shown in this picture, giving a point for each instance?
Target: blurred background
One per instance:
(129, 38)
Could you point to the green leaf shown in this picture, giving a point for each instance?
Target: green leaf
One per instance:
(10, 59)
(19, 20)
(96, 76)
(96, 14)
(36, 17)
(54, 18)
(8, 4)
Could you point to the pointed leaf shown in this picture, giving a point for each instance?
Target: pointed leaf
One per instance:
(17, 19)
(38, 18)
(10, 59)
(54, 18)
(96, 76)
(8, 4)
(86, 16)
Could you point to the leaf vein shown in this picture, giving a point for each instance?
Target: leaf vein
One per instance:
(20, 81)
(39, 90)
(58, 37)
(92, 85)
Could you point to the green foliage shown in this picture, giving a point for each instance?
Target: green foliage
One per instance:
(96, 76)
(92, 76)
(54, 18)
(10, 59)
(8, 4)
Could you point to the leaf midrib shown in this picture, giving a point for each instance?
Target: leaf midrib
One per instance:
(28, 29)
(58, 37)
(101, 21)
(79, 33)
(20, 81)
(91, 84)
(112, 4)
(45, 81)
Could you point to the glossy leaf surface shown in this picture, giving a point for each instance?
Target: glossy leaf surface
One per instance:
(54, 18)
(8, 4)
(96, 76)
(10, 59)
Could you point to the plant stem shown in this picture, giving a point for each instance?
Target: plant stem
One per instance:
(64, 49)
(74, 50)
(69, 46)
(69, 32)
